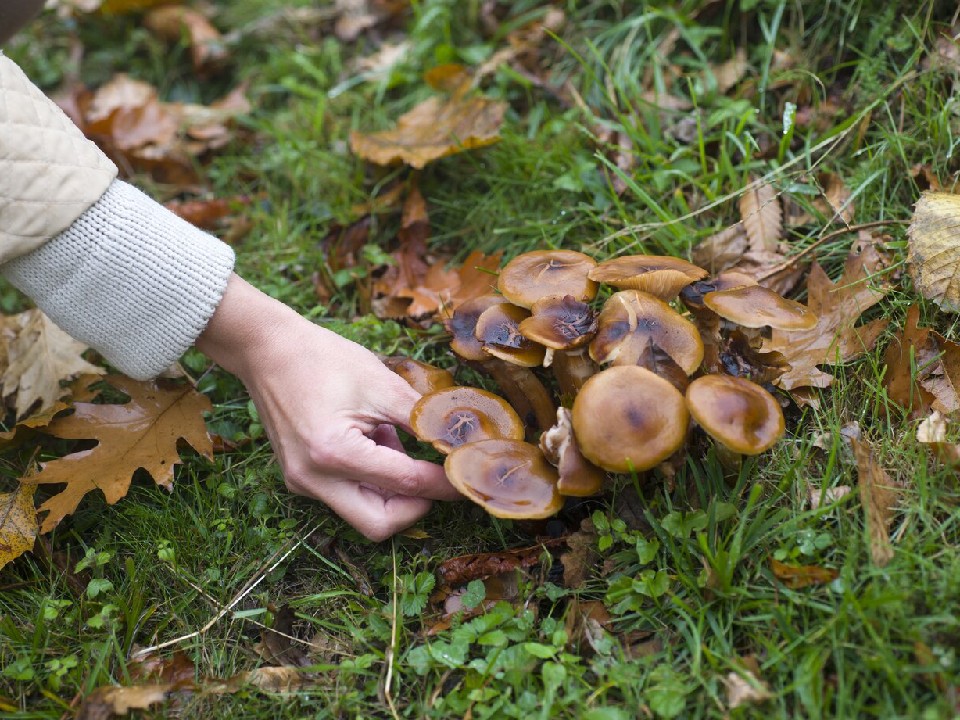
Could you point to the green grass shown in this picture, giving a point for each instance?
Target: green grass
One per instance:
(691, 568)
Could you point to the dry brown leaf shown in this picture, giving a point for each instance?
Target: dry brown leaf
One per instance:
(729, 73)
(879, 497)
(836, 338)
(761, 216)
(818, 497)
(39, 356)
(434, 129)
(801, 576)
(933, 250)
(838, 198)
(932, 431)
(142, 433)
(721, 250)
(581, 558)
(745, 688)
(18, 523)
(356, 16)
(173, 22)
(910, 357)
(111, 700)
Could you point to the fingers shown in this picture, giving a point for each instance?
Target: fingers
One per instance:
(371, 512)
(386, 435)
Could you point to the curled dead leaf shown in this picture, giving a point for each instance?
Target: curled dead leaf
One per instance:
(18, 523)
(761, 216)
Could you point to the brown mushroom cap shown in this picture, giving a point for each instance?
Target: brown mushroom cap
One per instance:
(463, 324)
(755, 306)
(626, 418)
(509, 478)
(422, 377)
(631, 319)
(577, 476)
(660, 275)
(560, 322)
(692, 295)
(458, 415)
(498, 330)
(534, 275)
(736, 412)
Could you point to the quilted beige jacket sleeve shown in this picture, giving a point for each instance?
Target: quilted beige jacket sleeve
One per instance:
(50, 174)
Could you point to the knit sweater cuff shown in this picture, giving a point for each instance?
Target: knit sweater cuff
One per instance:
(129, 278)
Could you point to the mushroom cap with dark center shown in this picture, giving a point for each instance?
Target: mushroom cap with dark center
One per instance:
(534, 275)
(422, 377)
(736, 412)
(755, 306)
(626, 418)
(463, 324)
(509, 478)
(560, 322)
(692, 294)
(498, 330)
(660, 275)
(458, 415)
(631, 319)
(577, 476)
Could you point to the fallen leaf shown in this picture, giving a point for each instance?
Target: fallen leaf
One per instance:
(580, 560)
(39, 357)
(818, 497)
(721, 250)
(933, 249)
(909, 358)
(729, 73)
(925, 178)
(142, 433)
(434, 129)
(745, 688)
(932, 431)
(836, 338)
(801, 576)
(879, 497)
(464, 568)
(169, 669)
(110, 701)
(837, 198)
(18, 523)
(761, 216)
(278, 645)
(356, 16)
(173, 22)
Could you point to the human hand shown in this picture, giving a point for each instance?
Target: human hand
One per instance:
(330, 408)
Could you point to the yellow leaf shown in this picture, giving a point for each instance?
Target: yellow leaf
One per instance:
(18, 523)
(933, 250)
(142, 433)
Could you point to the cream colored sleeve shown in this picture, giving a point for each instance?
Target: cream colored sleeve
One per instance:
(129, 278)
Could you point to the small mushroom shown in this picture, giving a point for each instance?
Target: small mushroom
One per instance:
(564, 325)
(660, 275)
(628, 419)
(736, 412)
(534, 275)
(454, 416)
(509, 478)
(519, 385)
(498, 330)
(630, 320)
(754, 306)
(577, 476)
(422, 377)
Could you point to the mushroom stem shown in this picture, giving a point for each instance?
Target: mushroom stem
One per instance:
(524, 392)
(572, 368)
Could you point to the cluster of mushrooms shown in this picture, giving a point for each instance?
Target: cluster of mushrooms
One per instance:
(629, 378)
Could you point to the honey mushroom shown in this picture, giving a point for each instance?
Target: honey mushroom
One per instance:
(659, 275)
(577, 477)
(421, 376)
(541, 273)
(455, 416)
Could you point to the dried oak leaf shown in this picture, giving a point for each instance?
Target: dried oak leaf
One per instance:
(836, 338)
(18, 523)
(879, 496)
(433, 129)
(142, 433)
(761, 216)
(113, 700)
(39, 356)
(933, 250)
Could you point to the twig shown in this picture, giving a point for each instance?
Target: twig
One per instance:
(791, 261)
(391, 651)
(266, 569)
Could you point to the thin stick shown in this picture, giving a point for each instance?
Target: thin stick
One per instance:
(791, 261)
(264, 571)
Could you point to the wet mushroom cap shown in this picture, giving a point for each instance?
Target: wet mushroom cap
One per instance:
(626, 418)
(736, 412)
(454, 416)
(560, 322)
(509, 478)
(754, 306)
(463, 323)
(498, 330)
(630, 320)
(660, 275)
(538, 274)
(422, 377)
(692, 295)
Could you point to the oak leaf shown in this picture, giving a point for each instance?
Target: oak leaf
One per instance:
(433, 129)
(18, 523)
(39, 356)
(933, 250)
(761, 216)
(142, 433)
(879, 496)
(836, 338)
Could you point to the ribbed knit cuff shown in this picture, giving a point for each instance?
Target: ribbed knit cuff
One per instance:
(129, 278)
